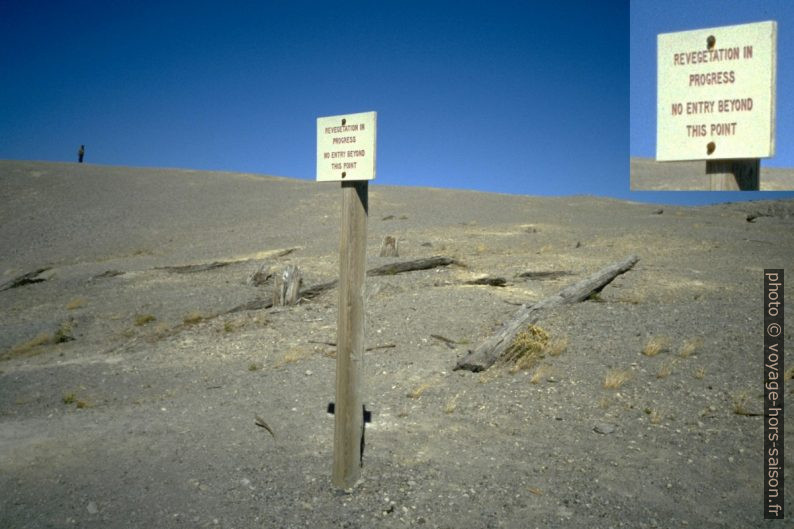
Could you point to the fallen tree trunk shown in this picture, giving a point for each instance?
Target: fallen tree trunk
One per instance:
(488, 352)
(189, 269)
(410, 266)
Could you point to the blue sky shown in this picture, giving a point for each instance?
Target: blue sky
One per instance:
(650, 17)
(515, 97)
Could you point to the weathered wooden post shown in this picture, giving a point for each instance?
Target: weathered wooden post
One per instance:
(346, 153)
(716, 101)
(734, 175)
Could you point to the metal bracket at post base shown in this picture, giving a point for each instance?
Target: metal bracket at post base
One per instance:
(367, 418)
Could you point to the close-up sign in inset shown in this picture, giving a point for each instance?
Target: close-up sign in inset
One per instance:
(716, 93)
(346, 147)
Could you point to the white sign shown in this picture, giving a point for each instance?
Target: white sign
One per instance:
(716, 93)
(346, 147)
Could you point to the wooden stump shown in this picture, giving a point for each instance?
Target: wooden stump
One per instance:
(286, 286)
(388, 247)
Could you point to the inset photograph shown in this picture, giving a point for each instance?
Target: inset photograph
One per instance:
(705, 112)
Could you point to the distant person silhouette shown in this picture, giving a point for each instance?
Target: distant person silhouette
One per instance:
(80, 154)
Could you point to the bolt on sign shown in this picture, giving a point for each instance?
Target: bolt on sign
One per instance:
(716, 93)
(346, 147)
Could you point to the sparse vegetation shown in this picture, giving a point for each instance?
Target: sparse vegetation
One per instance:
(740, 402)
(229, 326)
(253, 366)
(690, 346)
(81, 404)
(64, 333)
(665, 369)
(557, 346)
(700, 373)
(615, 378)
(293, 355)
(29, 346)
(655, 417)
(419, 390)
(161, 329)
(76, 303)
(527, 348)
(69, 398)
(451, 404)
(656, 345)
(143, 319)
(192, 318)
(541, 373)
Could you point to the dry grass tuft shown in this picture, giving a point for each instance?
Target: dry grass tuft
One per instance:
(29, 346)
(143, 319)
(541, 373)
(69, 398)
(451, 404)
(419, 390)
(656, 345)
(699, 373)
(665, 369)
(655, 417)
(690, 346)
(740, 402)
(76, 303)
(615, 378)
(557, 346)
(191, 318)
(526, 349)
(294, 355)
(64, 333)
(253, 366)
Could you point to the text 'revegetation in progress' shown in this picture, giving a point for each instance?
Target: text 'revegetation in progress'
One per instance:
(716, 93)
(346, 147)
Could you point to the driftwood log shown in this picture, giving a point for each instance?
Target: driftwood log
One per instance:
(488, 352)
(410, 266)
(190, 269)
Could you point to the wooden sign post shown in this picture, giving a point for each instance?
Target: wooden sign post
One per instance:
(716, 100)
(346, 154)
